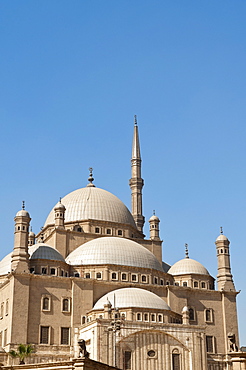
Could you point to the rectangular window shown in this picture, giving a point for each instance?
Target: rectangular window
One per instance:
(1, 338)
(44, 334)
(2, 309)
(65, 336)
(176, 361)
(210, 343)
(127, 360)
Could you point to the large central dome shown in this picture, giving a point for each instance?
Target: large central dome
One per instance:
(94, 204)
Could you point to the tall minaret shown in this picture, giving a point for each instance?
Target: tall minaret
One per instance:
(136, 182)
(224, 277)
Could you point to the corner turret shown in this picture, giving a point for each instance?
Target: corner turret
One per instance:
(59, 215)
(154, 227)
(224, 277)
(20, 256)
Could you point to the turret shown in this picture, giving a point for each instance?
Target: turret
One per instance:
(59, 215)
(154, 227)
(31, 238)
(20, 256)
(136, 182)
(224, 277)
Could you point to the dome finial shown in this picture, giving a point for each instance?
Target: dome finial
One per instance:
(186, 251)
(91, 179)
(135, 120)
(221, 229)
(23, 204)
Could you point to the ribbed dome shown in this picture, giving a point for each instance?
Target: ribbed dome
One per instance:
(95, 204)
(188, 266)
(46, 252)
(113, 250)
(132, 297)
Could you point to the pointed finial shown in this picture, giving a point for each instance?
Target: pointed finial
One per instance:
(135, 120)
(23, 204)
(221, 229)
(154, 212)
(186, 251)
(60, 199)
(91, 179)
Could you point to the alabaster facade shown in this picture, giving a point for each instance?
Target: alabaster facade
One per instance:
(91, 274)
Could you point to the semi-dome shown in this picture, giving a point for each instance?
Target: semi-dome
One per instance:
(188, 266)
(132, 297)
(113, 251)
(5, 263)
(46, 252)
(95, 204)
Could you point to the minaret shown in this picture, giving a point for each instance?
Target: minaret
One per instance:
(59, 215)
(154, 227)
(20, 256)
(224, 277)
(136, 182)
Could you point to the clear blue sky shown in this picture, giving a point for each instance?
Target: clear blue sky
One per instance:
(74, 73)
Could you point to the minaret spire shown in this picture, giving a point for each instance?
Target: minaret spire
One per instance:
(136, 182)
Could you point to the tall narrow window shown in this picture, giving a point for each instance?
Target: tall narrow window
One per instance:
(127, 360)
(65, 336)
(5, 333)
(7, 308)
(191, 314)
(176, 361)
(44, 334)
(209, 343)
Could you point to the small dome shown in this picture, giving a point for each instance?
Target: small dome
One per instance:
(154, 218)
(91, 203)
(222, 237)
(59, 206)
(31, 233)
(22, 213)
(132, 297)
(113, 251)
(188, 266)
(46, 252)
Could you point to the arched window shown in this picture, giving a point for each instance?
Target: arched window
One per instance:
(195, 284)
(114, 276)
(46, 304)
(176, 360)
(144, 278)
(191, 314)
(65, 305)
(99, 275)
(123, 276)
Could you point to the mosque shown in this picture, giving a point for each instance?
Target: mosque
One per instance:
(91, 275)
